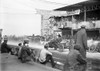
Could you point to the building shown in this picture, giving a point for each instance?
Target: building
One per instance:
(71, 16)
(89, 16)
(89, 12)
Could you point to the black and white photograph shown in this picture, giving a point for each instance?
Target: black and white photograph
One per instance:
(49, 35)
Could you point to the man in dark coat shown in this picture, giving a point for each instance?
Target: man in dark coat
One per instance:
(74, 60)
(4, 47)
(26, 53)
(81, 39)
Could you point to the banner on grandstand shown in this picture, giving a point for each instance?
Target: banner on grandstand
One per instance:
(57, 13)
(73, 12)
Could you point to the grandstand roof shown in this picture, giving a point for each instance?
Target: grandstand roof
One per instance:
(79, 5)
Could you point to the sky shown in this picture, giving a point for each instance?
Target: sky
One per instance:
(19, 17)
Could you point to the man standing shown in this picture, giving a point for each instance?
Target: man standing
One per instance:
(81, 39)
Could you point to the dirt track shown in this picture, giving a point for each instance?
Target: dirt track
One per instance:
(11, 63)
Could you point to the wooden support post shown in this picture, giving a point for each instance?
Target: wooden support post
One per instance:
(84, 13)
(41, 25)
(71, 38)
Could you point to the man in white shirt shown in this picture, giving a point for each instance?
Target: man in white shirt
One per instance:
(46, 56)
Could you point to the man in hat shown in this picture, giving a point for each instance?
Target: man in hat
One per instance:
(24, 51)
(4, 47)
(26, 54)
(75, 61)
(81, 39)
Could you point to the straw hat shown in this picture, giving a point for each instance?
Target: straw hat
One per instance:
(82, 25)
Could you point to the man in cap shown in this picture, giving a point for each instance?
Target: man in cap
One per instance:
(81, 39)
